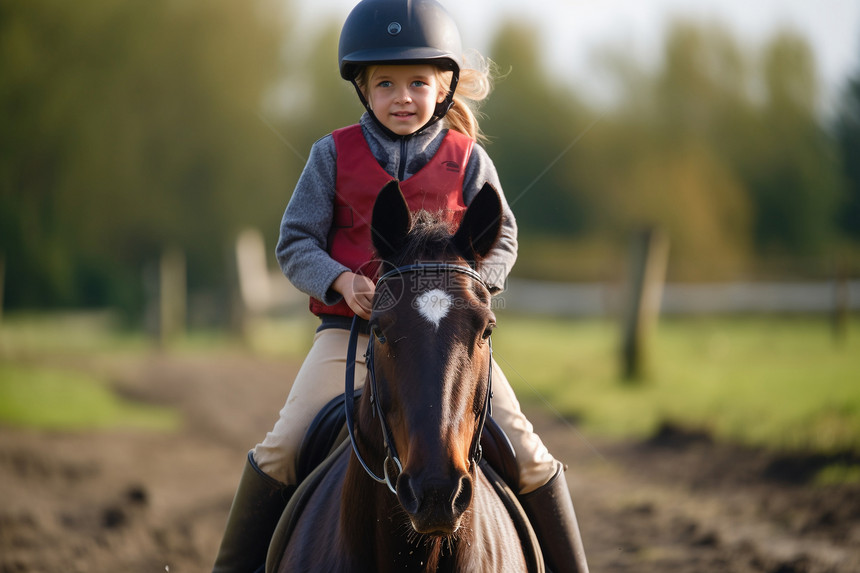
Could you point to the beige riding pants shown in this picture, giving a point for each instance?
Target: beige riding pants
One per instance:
(321, 378)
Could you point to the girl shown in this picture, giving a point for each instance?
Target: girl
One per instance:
(404, 59)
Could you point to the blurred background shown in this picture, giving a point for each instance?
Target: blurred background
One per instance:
(131, 130)
(693, 160)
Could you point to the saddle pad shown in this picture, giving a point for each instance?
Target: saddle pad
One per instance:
(296, 506)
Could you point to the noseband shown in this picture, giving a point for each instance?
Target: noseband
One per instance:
(390, 451)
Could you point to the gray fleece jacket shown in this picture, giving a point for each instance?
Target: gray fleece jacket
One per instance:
(302, 249)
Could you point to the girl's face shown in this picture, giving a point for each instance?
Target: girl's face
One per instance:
(403, 97)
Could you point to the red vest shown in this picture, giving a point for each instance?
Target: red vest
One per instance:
(438, 186)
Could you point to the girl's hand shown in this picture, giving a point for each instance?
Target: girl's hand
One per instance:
(357, 291)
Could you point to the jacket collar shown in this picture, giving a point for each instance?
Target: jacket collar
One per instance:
(385, 138)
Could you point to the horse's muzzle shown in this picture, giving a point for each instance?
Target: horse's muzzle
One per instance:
(437, 507)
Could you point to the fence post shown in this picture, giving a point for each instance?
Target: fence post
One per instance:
(649, 257)
(172, 296)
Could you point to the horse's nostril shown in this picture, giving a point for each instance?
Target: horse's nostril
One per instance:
(406, 494)
(464, 496)
(435, 507)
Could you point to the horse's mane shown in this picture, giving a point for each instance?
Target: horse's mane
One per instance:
(429, 239)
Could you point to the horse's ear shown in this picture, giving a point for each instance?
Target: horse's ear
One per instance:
(391, 220)
(481, 225)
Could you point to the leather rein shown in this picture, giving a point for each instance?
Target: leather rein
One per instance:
(391, 456)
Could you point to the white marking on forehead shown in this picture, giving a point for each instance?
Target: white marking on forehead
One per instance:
(433, 305)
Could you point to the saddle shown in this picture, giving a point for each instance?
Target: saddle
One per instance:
(328, 430)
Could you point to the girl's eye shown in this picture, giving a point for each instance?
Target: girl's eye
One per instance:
(419, 84)
(384, 84)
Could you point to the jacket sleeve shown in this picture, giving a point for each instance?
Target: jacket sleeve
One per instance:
(498, 264)
(303, 241)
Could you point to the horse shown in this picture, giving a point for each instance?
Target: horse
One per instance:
(407, 492)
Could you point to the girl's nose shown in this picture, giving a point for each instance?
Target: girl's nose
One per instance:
(404, 97)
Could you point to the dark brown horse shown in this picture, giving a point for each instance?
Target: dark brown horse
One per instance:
(417, 424)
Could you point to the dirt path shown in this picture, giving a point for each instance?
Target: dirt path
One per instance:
(144, 502)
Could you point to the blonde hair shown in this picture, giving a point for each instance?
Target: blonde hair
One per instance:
(475, 84)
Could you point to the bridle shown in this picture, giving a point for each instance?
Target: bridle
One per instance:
(349, 394)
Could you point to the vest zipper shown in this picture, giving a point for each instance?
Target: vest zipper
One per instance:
(401, 169)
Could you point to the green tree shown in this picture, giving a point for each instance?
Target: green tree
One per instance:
(323, 101)
(660, 156)
(720, 147)
(848, 136)
(130, 127)
(532, 123)
(795, 180)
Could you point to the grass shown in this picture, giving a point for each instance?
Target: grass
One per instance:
(65, 334)
(775, 382)
(36, 395)
(835, 474)
(54, 399)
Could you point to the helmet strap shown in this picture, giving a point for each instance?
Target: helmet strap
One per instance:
(445, 105)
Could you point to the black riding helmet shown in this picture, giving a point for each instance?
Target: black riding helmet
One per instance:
(400, 32)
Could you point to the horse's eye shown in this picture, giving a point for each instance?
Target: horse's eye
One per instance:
(488, 331)
(377, 332)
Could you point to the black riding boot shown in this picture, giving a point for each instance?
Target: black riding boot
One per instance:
(550, 511)
(259, 502)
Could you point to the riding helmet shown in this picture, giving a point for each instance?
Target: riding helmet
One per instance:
(400, 32)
